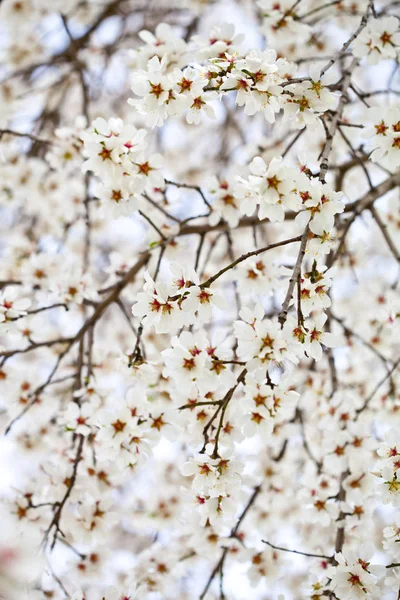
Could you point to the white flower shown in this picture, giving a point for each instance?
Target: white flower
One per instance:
(317, 87)
(115, 425)
(359, 485)
(222, 39)
(224, 203)
(315, 336)
(72, 285)
(321, 204)
(148, 170)
(274, 186)
(257, 81)
(200, 302)
(321, 511)
(158, 308)
(259, 275)
(314, 288)
(384, 136)
(118, 200)
(391, 543)
(355, 576)
(79, 418)
(12, 306)
(379, 40)
(247, 195)
(95, 517)
(265, 406)
(195, 360)
(389, 449)
(389, 488)
(157, 88)
(163, 42)
(198, 104)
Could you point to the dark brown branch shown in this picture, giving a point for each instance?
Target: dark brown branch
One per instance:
(297, 551)
(71, 482)
(248, 255)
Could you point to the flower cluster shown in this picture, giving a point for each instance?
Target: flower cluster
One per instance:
(199, 308)
(281, 25)
(389, 468)
(278, 187)
(216, 482)
(198, 363)
(266, 405)
(116, 154)
(384, 136)
(165, 94)
(380, 40)
(355, 576)
(169, 305)
(261, 80)
(224, 203)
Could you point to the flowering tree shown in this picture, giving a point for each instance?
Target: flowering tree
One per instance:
(199, 306)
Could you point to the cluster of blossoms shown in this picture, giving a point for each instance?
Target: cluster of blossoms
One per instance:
(384, 136)
(281, 25)
(261, 80)
(389, 468)
(224, 201)
(198, 363)
(199, 308)
(12, 306)
(266, 406)
(380, 40)
(216, 483)
(167, 94)
(355, 576)
(116, 154)
(277, 187)
(263, 341)
(167, 306)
